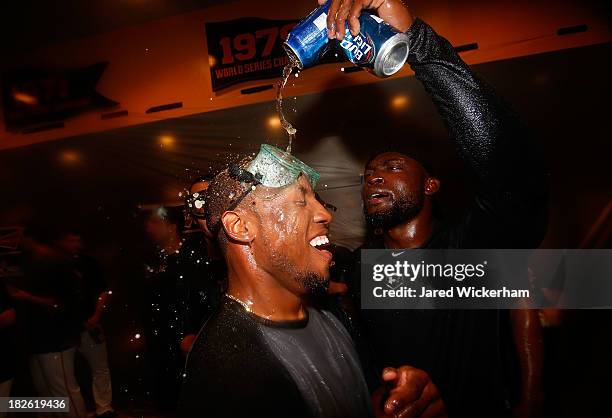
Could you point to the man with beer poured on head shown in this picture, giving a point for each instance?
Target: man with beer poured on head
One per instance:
(471, 355)
(267, 353)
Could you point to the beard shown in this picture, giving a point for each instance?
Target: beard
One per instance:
(314, 284)
(402, 210)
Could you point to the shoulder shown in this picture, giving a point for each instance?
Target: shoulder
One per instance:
(231, 364)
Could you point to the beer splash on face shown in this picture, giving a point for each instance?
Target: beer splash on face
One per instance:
(291, 65)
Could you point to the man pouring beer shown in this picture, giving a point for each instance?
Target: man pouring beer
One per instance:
(466, 352)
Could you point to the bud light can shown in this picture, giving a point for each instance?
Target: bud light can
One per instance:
(378, 46)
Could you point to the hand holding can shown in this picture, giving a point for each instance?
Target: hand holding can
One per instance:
(394, 12)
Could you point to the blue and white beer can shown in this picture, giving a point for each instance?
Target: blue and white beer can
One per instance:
(378, 46)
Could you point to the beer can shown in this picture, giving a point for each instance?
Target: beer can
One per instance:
(378, 46)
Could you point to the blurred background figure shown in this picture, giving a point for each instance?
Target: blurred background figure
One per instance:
(170, 272)
(7, 348)
(204, 292)
(93, 297)
(50, 299)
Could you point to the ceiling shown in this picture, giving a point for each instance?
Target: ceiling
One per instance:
(31, 24)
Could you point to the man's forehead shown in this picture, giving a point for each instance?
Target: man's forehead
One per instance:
(387, 157)
(301, 185)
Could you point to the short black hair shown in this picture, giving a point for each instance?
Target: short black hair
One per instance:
(223, 192)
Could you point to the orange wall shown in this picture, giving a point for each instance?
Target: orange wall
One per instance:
(166, 61)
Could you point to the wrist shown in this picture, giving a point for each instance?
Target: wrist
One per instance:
(397, 14)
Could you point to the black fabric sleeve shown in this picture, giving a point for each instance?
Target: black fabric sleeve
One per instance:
(510, 209)
(98, 276)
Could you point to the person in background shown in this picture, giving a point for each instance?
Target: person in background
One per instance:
(195, 206)
(49, 305)
(169, 275)
(208, 284)
(7, 348)
(94, 295)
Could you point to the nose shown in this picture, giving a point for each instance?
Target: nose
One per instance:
(321, 215)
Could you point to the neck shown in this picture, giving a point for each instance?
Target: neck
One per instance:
(260, 291)
(412, 233)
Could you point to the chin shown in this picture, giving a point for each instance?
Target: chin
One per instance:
(314, 283)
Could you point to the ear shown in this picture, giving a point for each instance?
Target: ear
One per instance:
(432, 185)
(238, 227)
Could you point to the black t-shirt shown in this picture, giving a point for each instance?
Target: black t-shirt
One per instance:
(51, 329)
(182, 292)
(243, 365)
(91, 284)
(204, 282)
(465, 352)
(7, 343)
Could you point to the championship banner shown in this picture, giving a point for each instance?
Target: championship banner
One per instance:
(246, 49)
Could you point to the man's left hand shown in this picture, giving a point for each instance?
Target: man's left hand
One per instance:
(412, 395)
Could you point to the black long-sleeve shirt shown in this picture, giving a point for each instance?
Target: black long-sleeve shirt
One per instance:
(465, 351)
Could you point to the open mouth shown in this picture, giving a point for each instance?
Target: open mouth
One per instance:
(377, 197)
(322, 245)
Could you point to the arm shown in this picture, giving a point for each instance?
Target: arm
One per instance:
(94, 272)
(7, 318)
(94, 320)
(7, 312)
(512, 178)
(512, 196)
(528, 340)
(23, 296)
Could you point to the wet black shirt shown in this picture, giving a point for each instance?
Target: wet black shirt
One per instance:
(51, 329)
(204, 284)
(465, 351)
(182, 294)
(91, 284)
(242, 365)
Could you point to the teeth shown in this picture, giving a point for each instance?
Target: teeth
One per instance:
(320, 240)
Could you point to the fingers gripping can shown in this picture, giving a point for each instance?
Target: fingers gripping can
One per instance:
(378, 46)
